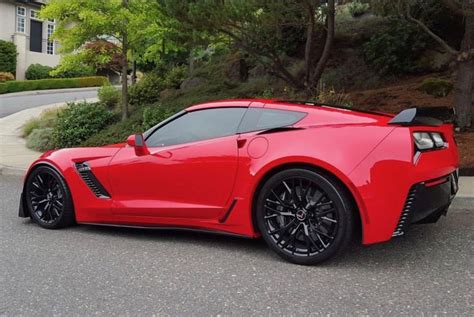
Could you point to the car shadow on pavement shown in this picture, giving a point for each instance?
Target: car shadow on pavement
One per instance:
(419, 244)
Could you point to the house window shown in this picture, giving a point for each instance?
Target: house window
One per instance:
(34, 14)
(50, 44)
(20, 19)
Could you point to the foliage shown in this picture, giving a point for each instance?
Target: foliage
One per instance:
(47, 119)
(175, 76)
(109, 96)
(40, 140)
(357, 8)
(396, 50)
(154, 115)
(117, 132)
(147, 90)
(8, 55)
(436, 87)
(78, 122)
(269, 31)
(70, 68)
(37, 71)
(333, 97)
(52, 83)
(5, 76)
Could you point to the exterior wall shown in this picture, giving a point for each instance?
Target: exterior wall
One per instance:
(8, 32)
(7, 20)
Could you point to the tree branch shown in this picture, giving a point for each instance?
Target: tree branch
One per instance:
(435, 37)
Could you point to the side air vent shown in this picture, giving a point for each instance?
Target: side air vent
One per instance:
(91, 181)
(404, 221)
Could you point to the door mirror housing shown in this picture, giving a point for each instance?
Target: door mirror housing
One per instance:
(138, 142)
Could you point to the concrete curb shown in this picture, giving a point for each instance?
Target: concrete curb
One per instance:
(47, 91)
(11, 171)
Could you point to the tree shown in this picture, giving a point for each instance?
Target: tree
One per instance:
(81, 22)
(258, 28)
(463, 56)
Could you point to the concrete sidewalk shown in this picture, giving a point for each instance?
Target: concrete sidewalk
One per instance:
(47, 91)
(15, 158)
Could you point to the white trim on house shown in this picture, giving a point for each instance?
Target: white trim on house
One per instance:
(20, 19)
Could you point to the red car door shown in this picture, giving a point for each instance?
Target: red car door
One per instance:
(189, 172)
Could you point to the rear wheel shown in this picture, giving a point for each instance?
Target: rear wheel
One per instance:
(304, 216)
(48, 198)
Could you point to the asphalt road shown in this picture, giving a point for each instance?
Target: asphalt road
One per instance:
(89, 270)
(11, 103)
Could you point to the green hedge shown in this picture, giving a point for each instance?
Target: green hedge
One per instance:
(7, 57)
(53, 83)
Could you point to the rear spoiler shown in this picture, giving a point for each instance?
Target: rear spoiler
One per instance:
(431, 116)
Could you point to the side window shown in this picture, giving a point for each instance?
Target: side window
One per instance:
(262, 119)
(197, 125)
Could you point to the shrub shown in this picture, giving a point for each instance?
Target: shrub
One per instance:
(52, 83)
(109, 96)
(357, 8)
(175, 76)
(332, 97)
(436, 87)
(146, 91)
(396, 50)
(78, 122)
(154, 115)
(3, 88)
(79, 70)
(117, 132)
(7, 57)
(5, 76)
(47, 119)
(40, 140)
(37, 71)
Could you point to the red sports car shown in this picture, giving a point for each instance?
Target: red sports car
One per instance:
(302, 175)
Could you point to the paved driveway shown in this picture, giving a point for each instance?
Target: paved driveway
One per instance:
(11, 103)
(89, 270)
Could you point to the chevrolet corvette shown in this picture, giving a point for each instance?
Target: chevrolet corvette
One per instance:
(307, 177)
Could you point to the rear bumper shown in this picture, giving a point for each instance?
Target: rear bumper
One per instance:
(427, 201)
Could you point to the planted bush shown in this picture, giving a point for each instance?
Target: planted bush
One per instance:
(52, 83)
(5, 76)
(79, 70)
(154, 115)
(146, 91)
(37, 71)
(109, 96)
(79, 121)
(396, 50)
(47, 119)
(8, 55)
(436, 87)
(357, 8)
(41, 139)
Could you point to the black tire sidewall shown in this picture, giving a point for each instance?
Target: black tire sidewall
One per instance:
(67, 216)
(336, 194)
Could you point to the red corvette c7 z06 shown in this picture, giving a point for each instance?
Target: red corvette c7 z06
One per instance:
(302, 175)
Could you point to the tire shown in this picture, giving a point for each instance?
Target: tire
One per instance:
(305, 216)
(48, 198)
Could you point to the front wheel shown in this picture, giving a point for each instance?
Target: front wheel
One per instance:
(304, 216)
(48, 198)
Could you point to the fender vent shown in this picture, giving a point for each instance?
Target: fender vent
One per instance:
(91, 181)
(404, 220)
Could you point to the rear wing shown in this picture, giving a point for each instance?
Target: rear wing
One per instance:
(431, 116)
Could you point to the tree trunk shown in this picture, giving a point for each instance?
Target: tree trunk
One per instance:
(318, 71)
(124, 77)
(465, 74)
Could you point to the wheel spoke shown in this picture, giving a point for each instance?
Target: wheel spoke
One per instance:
(300, 216)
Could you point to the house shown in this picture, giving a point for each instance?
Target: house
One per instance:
(20, 24)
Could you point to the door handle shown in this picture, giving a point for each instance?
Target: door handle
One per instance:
(164, 154)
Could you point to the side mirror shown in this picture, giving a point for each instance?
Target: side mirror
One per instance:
(138, 142)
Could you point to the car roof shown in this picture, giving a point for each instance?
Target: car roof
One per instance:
(307, 106)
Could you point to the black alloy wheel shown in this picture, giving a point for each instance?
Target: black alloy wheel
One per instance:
(305, 216)
(48, 198)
